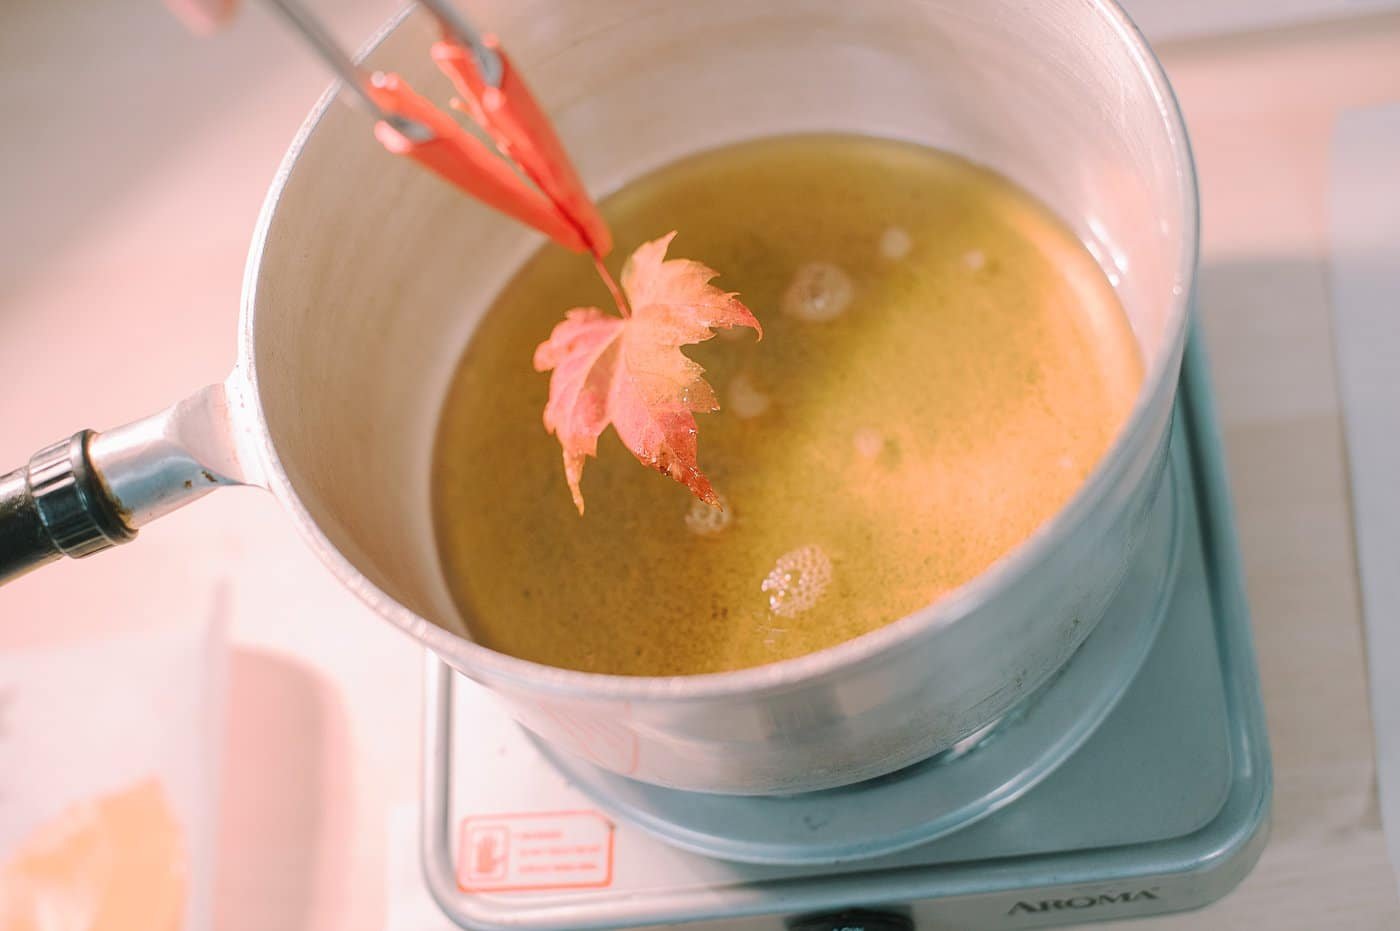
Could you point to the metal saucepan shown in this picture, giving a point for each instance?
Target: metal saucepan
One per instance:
(366, 278)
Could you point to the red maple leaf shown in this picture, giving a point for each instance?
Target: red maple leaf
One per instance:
(629, 371)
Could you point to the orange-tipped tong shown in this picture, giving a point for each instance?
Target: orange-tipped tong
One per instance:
(552, 201)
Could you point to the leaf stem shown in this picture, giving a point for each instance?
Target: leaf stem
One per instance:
(618, 297)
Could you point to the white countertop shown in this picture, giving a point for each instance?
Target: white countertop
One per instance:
(119, 279)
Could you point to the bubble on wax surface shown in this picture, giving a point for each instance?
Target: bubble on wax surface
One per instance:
(745, 398)
(706, 520)
(895, 243)
(818, 292)
(869, 443)
(797, 581)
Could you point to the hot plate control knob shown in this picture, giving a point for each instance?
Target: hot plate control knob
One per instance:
(853, 921)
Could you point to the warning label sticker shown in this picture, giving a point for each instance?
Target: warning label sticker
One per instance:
(532, 852)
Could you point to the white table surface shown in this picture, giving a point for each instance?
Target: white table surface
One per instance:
(1365, 231)
(119, 280)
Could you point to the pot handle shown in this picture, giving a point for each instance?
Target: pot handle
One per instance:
(93, 491)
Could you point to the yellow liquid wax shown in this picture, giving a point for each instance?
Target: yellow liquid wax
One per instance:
(949, 366)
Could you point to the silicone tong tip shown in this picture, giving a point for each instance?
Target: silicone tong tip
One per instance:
(464, 161)
(508, 113)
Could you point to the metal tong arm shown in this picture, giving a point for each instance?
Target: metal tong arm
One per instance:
(319, 38)
(343, 66)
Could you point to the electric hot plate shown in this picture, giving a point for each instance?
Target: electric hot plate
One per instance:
(1135, 782)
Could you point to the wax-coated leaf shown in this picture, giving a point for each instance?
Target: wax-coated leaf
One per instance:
(630, 372)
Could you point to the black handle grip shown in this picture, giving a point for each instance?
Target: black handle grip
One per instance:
(24, 544)
(56, 506)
